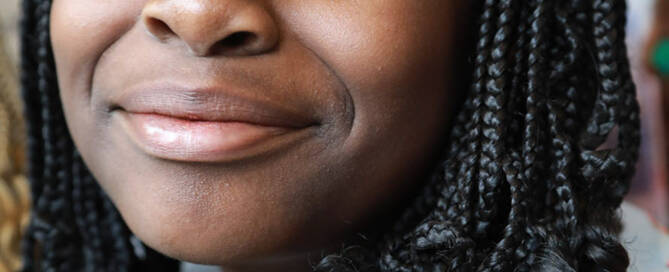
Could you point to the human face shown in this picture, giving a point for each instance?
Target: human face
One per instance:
(253, 133)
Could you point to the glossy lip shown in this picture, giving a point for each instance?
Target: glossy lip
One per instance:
(207, 124)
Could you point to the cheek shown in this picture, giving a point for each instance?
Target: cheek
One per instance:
(395, 58)
(81, 30)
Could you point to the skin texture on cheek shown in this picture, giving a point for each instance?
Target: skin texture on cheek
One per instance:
(373, 75)
(396, 48)
(87, 23)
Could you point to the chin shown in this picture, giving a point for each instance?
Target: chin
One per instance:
(224, 228)
(223, 247)
(198, 242)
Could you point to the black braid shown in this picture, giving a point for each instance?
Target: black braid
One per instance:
(494, 135)
(524, 183)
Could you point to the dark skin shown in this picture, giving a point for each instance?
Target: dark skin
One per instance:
(373, 80)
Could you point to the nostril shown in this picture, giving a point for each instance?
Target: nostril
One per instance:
(159, 29)
(236, 41)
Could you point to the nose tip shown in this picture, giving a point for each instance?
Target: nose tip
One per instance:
(230, 28)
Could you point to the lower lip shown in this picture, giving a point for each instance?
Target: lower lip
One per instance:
(198, 141)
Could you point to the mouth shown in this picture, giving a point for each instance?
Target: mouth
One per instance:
(207, 125)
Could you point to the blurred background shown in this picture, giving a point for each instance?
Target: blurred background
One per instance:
(9, 16)
(648, 25)
(14, 200)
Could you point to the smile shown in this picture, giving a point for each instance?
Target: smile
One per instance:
(206, 125)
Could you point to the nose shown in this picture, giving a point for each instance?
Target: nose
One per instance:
(213, 27)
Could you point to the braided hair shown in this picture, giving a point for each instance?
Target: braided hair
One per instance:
(525, 183)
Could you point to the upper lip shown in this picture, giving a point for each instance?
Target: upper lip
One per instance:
(209, 104)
